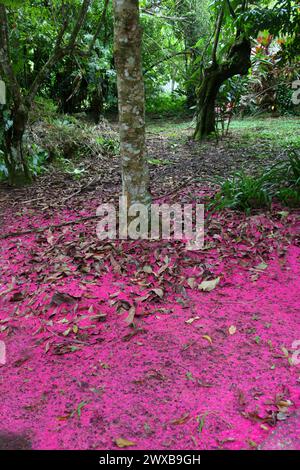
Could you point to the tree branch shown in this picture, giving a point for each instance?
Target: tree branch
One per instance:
(79, 23)
(99, 26)
(231, 10)
(170, 18)
(58, 51)
(169, 57)
(217, 35)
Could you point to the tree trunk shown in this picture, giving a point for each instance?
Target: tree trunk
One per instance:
(97, 103)
(238, 63)
(131, 101)
(18, 172)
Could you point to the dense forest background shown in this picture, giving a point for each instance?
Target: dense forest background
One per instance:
(208, 60)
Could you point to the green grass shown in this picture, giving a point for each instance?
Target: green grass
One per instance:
(275, 132)
(169, 128)
(269, 133)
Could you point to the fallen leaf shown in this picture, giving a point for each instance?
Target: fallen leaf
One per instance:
(21, 361)
(208, 338)
(191, 320)
(183, 419)
(60, 298)
(285, 351)
(208, 286)
(17, 297)
(270, 418)
(158, 292)
(191, 282)
(261, 267)
(252, 443)
(241, 398)
(120, 442)
(147, 269)
(131, 315)
(60, 349)
(232, 330)
(264, 427)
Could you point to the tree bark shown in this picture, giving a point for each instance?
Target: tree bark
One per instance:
(18, 172)
(238, 62)
(131, 101)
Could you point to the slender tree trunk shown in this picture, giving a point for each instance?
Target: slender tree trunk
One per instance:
(14, 154)
(237, 63)
(127, 44)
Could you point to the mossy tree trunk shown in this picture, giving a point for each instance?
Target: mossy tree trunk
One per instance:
(237, 63)
(131, 101)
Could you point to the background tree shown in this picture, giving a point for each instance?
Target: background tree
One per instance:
(236, 25)
(67, 21)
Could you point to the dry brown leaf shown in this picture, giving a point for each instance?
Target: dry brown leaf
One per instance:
(183, 419)
(158, 292)
(120, 442)
(60, 298)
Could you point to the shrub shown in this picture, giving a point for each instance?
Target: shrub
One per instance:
(166, 104)
(245, 192)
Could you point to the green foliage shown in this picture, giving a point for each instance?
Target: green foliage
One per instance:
(177, 46)
(284, 99)
(244, 192)
(289, 196)
(64, 141)
(166, 104)
(37, 159)
(109, 145)
(276, 17)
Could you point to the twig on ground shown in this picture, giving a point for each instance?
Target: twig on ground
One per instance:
(48, 227)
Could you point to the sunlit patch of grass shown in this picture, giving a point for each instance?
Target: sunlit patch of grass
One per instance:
(270, 133)
(169, 128)
(274, 132)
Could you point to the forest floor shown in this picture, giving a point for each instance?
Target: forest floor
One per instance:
(114, 344)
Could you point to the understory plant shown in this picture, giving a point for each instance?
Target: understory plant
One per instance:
(245, 192)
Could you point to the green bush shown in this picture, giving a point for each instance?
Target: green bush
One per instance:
(245, 192)
(289, 196)
(284, 99)
(62, 139)
(37, 159)
(166, 104)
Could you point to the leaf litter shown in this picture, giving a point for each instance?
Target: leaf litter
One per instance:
(138, 307)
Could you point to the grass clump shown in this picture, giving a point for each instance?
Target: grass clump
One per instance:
(245, 192)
